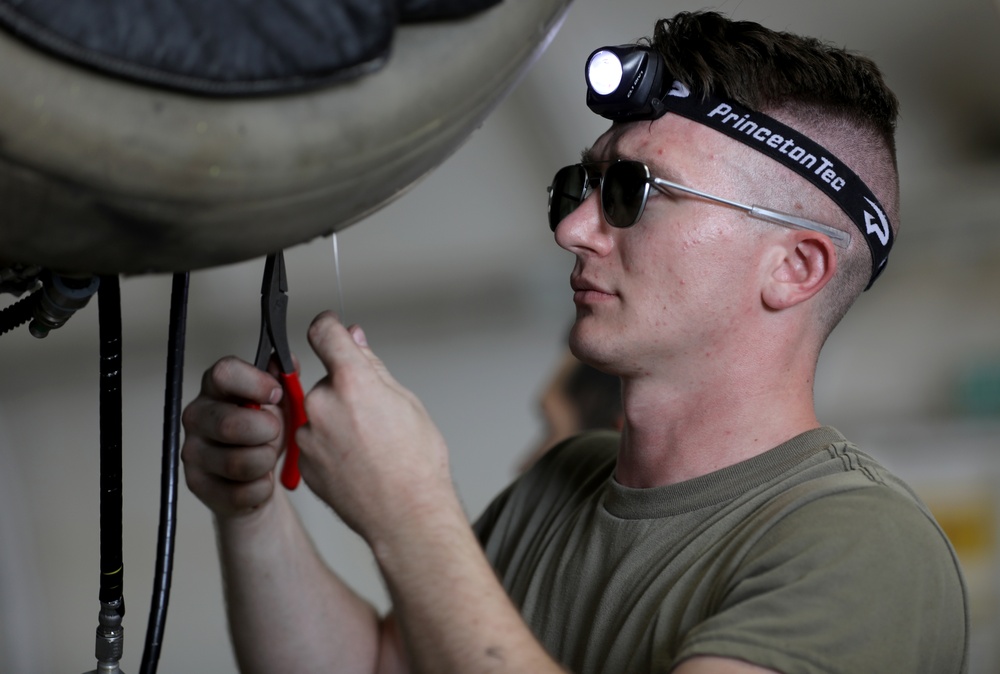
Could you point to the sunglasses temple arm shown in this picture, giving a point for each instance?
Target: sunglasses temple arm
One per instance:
(839, 238)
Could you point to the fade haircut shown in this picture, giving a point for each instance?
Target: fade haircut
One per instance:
(837, 97)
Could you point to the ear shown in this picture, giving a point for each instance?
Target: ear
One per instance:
(801, 265)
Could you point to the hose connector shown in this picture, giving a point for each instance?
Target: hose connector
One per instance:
(61, 297)
(110, 643)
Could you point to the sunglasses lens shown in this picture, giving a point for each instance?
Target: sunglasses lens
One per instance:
(623, 193)
(567, 192)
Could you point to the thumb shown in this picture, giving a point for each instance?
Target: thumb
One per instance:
(335, 347)
(359, 337)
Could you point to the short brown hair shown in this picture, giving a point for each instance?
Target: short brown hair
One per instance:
(822, 89)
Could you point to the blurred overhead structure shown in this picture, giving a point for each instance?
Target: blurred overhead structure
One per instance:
(100, 174)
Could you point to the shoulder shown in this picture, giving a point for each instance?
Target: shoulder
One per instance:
(875, 522)
(867, 553)
(863, 512)
(859, 498)
(847, 553)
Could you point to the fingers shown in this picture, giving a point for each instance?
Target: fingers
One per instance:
(332, 342)
(230, 450)
(223, 422)
(339, 347)
(231, 479)
(361, 340)
(236, 380)
(227, 497)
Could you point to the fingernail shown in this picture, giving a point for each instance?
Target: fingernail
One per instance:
(275, 396)
(359, 336)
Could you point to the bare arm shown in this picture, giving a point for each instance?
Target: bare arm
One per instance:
(287, 611)
(371, 452)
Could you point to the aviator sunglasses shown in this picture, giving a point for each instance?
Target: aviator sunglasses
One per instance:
(624, 187)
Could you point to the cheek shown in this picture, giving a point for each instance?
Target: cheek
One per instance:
(701, 268)
(713, 252)
(662, 259)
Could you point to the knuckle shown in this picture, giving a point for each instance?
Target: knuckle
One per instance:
(216, 375)
(316, 402)
(237, 425)
(312, 405)
(189, 416)
(250, 495)
(228, 427)
(197, 481)
(236, 466)
(188, 453)
(220, 379)
(351, 380)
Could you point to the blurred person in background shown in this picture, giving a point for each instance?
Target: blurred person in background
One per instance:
(576, 398)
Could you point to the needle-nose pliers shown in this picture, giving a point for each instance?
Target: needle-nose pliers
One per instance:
(274, 340)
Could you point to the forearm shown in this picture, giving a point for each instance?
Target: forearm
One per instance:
(372, 452)
(453, 613)
(287, 611)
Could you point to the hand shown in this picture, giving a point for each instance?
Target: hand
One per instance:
(230, 450)
(370, 450)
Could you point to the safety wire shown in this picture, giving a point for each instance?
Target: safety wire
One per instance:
(166, 539)
(336, 271)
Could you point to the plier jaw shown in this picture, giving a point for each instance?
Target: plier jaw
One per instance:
(274, 316)
(274, 340)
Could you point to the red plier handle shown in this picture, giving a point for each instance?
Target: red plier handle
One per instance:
(274, 340)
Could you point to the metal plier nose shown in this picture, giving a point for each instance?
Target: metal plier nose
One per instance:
(274, 340)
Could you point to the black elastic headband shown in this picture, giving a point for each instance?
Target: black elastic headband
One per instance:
(796, 151)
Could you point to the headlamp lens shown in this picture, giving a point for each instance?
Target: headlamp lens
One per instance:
(604, 72)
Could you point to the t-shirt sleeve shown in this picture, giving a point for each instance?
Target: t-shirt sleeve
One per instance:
(850, 582)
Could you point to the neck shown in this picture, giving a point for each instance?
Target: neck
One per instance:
(676, 431)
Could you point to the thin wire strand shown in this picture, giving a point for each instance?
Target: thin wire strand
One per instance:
(336, 271)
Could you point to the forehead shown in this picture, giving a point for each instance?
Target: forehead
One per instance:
(673, 147)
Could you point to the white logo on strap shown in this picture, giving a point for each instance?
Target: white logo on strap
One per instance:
(879, 228)
(679, 90)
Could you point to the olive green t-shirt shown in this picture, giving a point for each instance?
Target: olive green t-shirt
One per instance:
(810, 557)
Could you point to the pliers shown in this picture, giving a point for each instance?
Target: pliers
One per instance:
(274, 340)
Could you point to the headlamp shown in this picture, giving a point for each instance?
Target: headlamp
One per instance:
(626, 82)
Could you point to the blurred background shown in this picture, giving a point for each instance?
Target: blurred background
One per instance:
(465, 296)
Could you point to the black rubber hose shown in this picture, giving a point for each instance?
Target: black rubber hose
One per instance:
(109, 307)
(166, 538)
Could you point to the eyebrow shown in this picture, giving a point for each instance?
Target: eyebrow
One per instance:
(588, 156)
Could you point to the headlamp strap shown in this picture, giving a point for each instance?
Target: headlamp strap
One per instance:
(796, 151)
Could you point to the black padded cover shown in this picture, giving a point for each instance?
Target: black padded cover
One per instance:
(224, 47)
(435, 10)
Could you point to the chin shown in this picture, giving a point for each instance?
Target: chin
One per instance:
(589, 348)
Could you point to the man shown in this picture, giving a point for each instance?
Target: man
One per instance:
(726, 530)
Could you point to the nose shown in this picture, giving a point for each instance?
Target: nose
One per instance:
(584, 231)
